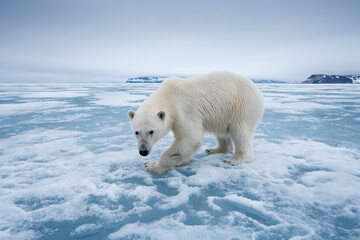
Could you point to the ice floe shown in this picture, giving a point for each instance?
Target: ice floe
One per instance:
(69, 169)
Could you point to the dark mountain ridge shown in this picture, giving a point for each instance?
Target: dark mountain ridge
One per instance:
(329, 79)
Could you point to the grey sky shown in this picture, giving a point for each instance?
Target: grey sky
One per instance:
(285, 40)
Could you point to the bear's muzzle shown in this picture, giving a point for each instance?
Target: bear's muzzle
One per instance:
(143, 149)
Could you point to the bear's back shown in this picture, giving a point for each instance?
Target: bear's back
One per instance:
(216, 98)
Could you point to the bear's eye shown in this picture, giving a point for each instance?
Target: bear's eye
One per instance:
(151, 132)
(136, 133)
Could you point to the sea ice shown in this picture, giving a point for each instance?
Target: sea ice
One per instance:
(69, 169)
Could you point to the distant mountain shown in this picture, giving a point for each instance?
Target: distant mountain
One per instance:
(324, 78)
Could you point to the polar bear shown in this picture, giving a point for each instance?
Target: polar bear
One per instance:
(225, 104)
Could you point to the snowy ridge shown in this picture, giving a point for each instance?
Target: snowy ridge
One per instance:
(69, 169)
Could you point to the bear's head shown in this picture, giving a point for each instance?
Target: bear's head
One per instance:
(148, 127)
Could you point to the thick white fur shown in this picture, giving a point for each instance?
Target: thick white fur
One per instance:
(225, 104)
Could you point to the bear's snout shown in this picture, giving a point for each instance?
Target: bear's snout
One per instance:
(143, 149)
(144, 152)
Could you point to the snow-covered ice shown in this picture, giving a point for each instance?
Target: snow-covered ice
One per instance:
(69, 169)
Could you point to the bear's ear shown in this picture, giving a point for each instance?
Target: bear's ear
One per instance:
(131, 114)
(161, 115)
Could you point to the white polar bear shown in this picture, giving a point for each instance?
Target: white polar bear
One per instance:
(225, 104)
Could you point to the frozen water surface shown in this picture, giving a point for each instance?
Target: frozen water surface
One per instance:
(69, 169)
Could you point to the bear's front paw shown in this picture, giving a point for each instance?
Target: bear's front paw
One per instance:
(154, 168)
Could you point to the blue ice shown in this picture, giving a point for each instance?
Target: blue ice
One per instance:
(69, 169)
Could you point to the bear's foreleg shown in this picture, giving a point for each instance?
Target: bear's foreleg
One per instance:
(179, 154)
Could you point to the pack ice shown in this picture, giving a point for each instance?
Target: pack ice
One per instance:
(70, 169)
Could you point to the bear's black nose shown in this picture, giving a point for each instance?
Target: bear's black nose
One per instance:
(144, 152)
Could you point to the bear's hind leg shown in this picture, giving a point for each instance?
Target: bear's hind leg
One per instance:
(224, 145)
(242, 139)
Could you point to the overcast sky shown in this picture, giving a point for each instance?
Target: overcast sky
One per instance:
(284, 40)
